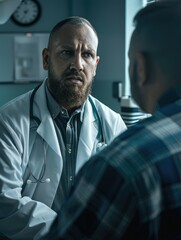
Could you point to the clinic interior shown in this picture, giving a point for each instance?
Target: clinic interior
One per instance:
(113, 22)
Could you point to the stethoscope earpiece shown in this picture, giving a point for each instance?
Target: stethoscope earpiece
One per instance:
(47, 180)
(29, 181)
(101, 145)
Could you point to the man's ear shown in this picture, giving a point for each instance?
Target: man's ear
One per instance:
(97, 61)
(45, 56)
(141, 68)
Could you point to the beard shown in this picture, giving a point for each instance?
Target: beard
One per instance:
(67, 94)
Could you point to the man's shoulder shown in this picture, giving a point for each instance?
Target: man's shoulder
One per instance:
(16, 106)
(144, 143)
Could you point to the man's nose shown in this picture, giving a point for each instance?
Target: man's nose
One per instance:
(77, 63)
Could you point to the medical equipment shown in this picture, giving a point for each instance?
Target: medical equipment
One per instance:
(29, 181)
(99, 146)
(40, 179)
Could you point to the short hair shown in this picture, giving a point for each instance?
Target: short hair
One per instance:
(74, 20)
(158, 34)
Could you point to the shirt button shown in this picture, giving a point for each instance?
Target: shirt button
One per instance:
(70, 178)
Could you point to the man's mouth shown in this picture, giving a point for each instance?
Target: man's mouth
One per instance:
(74, 79)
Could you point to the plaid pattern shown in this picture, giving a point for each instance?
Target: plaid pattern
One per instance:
(132, 189)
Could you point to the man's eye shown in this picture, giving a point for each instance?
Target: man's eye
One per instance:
(87, 54)
(66, 52)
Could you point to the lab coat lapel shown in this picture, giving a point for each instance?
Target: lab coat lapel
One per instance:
(88, 133)
(47, 131)
(46, 128)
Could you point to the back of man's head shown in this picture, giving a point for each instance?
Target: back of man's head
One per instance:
(158, 35)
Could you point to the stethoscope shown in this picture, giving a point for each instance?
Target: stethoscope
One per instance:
(100, 145)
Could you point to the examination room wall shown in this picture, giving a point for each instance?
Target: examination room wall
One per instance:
(108, 17)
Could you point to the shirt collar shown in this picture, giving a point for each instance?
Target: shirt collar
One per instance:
(55, 109)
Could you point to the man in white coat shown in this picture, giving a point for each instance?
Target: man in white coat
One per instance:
(47, 134)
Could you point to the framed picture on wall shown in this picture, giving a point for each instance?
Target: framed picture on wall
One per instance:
(28, 57)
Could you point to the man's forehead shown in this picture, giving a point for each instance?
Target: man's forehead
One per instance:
(70, 33)
(70, 27)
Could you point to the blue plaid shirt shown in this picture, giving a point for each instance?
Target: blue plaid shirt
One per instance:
(131, 189)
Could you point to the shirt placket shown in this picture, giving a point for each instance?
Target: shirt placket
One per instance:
(69, 154)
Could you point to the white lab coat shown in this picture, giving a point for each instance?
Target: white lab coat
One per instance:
(25, 209)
